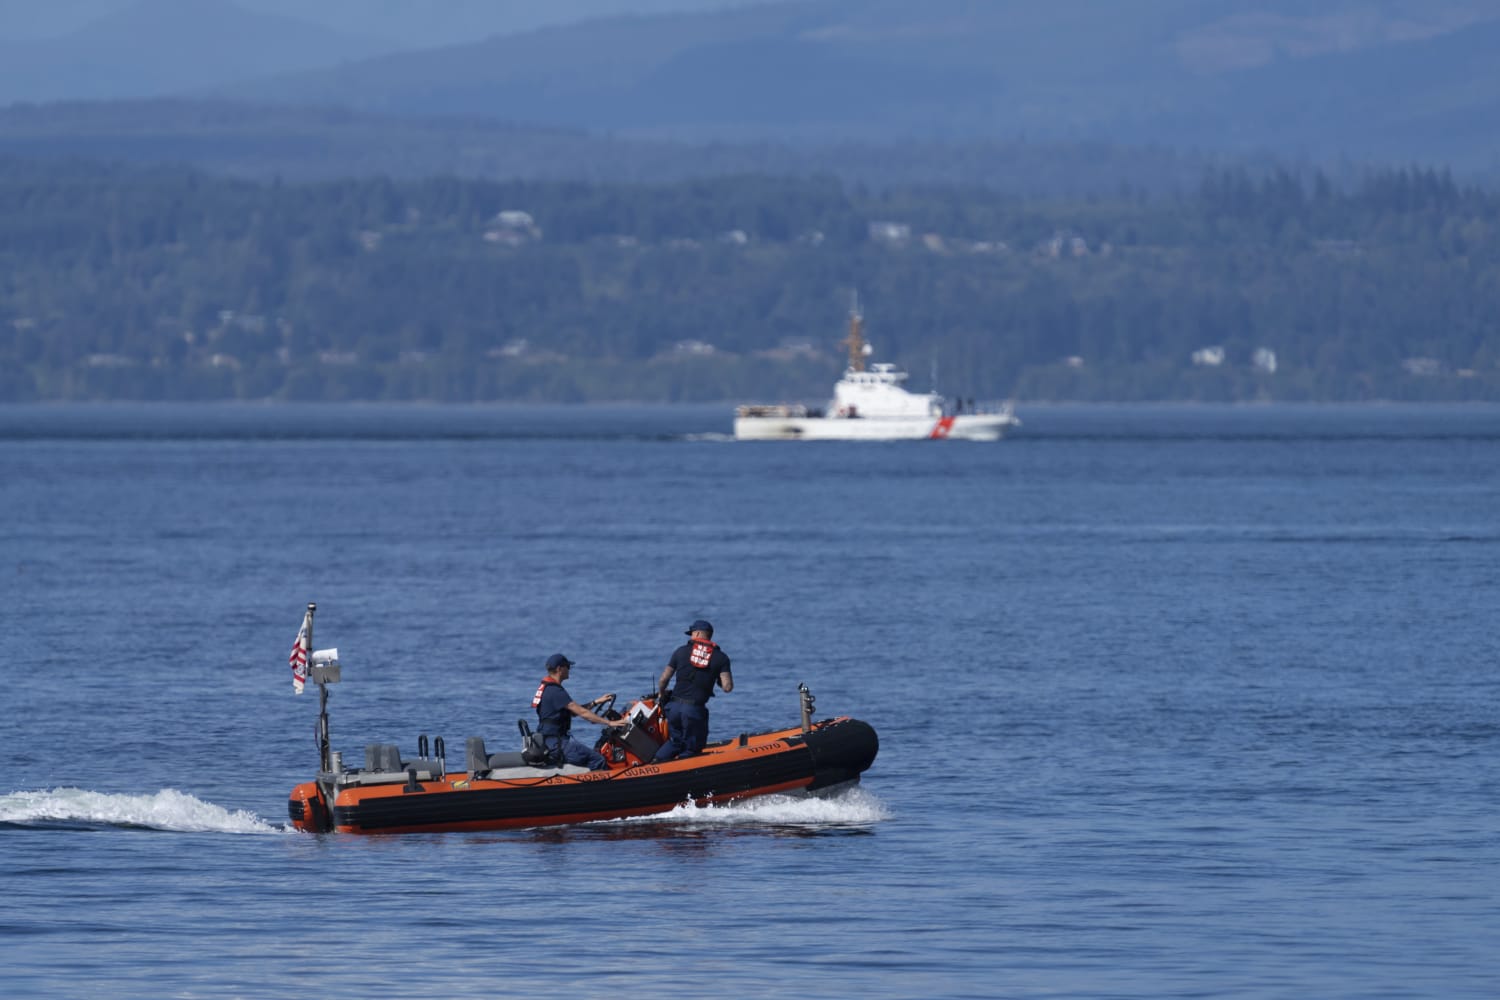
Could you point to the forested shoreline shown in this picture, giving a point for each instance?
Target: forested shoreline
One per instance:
(128, 282)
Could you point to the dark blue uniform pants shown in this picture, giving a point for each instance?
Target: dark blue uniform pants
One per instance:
(687, 728)
(574, 752)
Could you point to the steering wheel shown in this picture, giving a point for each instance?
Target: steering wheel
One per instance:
(602, 706)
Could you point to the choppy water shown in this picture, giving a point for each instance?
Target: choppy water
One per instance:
(1172, 701)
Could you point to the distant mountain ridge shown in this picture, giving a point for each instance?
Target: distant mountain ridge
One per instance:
(1210, 74)
(407, 24)
(162, 47)
(1385, 81)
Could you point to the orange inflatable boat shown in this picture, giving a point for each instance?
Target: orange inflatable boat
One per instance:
(396, 794)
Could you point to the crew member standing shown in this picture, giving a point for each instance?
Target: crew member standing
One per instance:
(698, 664)
(555, 709)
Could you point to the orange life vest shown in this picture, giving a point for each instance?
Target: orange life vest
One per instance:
(536, 699)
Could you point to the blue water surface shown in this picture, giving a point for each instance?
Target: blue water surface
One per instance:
(1172, 701)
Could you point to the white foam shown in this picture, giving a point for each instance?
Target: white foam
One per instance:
(854, 807)
(168, 809)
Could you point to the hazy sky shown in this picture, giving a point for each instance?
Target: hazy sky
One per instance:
(410, 23)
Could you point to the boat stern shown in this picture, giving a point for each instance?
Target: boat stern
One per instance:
(770, 423)
(307, 809)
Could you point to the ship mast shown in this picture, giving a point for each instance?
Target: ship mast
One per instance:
(856, 339)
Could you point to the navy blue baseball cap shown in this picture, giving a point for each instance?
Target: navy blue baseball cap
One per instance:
(558, 660)
(700, 626)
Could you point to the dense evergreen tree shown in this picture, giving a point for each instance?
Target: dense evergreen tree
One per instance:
(154, 283)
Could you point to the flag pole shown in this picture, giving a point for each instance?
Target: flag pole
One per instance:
(324, 763)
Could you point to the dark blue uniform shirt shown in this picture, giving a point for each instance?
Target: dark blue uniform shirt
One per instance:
(552, 713)
(695, 685)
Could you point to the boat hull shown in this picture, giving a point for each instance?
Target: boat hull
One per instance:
(963, 427)
(831, 753)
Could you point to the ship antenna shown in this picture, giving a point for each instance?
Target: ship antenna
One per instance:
(856, 338)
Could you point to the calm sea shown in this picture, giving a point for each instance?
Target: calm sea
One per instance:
(1172, 701)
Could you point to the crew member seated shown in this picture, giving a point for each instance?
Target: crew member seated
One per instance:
(555, 709)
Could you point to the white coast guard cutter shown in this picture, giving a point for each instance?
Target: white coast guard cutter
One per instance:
(870, 404)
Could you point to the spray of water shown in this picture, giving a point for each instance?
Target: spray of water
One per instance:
(853, 808)
(168, 809)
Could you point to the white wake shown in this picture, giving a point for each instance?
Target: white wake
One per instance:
(853, 808)
(168, 809)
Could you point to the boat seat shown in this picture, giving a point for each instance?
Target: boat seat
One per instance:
(427, 768)
(513, 758)
(527, 771)
(382, 757)
(383, 766)
(477, 759)
(385, 758)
